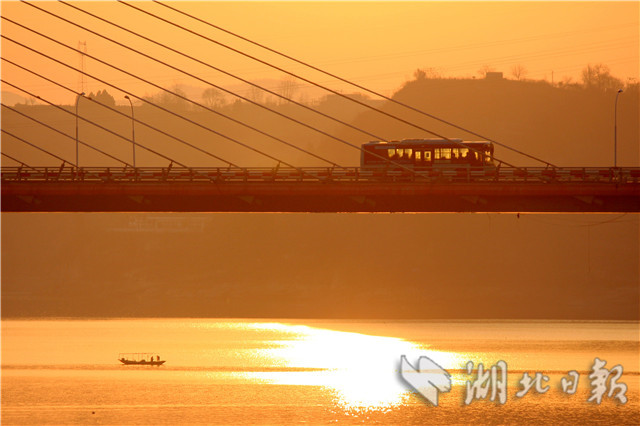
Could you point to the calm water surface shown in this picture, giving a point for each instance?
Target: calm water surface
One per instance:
(286, 371)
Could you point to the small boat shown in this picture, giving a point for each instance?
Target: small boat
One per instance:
(140, 358)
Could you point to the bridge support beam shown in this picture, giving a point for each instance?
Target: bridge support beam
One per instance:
(319, 197)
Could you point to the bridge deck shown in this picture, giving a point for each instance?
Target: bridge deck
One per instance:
(320, 190)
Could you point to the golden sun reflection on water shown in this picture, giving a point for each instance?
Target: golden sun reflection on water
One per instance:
(362, 369)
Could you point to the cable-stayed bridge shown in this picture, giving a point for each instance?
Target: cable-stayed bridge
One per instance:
(394, 185)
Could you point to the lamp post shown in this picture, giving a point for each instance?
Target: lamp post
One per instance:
(615, 130)
(133, 133)
(77, 143)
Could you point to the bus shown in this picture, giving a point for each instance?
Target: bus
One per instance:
(426, 154)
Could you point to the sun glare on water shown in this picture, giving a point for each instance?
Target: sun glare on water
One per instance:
(362, 369)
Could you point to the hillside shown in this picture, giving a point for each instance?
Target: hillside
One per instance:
(567, 126)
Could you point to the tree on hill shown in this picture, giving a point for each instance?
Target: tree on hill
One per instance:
(287, 88)
(173, 102)
(103, 97)
(599, 77)
(424, 73)
(213, 97)
(518, 71)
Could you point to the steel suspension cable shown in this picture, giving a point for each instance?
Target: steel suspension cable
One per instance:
(179, 70)
(41, 149)
(33, 145)
(225, 73)
(387, 98)
(257, 86)
(385, 159)
(311, 82)
(199, 79)
(88, 121)
(59, 131)
(299, 122)
(124, 115)
(22, 163)
(150, 103)
(71, 137)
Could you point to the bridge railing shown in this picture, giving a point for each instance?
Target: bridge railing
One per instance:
(314, 174)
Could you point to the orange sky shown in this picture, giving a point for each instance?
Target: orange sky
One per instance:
(377, 44)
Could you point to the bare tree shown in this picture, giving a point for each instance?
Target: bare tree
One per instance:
(598, 76)
(566, 81)
(171, 101)
(256, 95)
(287, 87)
(213, 98)
(518, 71)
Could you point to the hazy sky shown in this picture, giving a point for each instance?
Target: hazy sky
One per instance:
(377, 44)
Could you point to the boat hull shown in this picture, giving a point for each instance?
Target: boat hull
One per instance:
(130, 362)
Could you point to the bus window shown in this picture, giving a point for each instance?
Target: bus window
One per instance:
(427, 156)
(418, 156)
(455, 153)
(391, 152)
(400, 152)
(408, 152)
(442, 154)
(487, 158)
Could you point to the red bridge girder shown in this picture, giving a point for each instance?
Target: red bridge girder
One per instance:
(310, 196)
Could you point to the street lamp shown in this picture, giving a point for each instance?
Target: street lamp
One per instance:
(77, 144)
(133, 133)
(615, 130)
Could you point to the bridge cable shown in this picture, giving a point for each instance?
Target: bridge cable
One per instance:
(214, 85)
(72, 137)
(168, 91)
(225, 90)
(228, 74)
(387, 160)
(145, 100)
(345, 81)
(317, 85)
(207, 82)
(22, 163)
(33, 145)
(88, 121)
(91, 122)
(59, 131)
(127, 116)
(41, 149)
